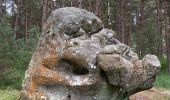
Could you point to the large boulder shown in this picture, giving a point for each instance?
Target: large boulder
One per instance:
(77, 59)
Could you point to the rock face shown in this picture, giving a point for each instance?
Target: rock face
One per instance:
(77, 59)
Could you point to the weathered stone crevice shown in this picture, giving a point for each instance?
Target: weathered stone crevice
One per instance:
(80, 71)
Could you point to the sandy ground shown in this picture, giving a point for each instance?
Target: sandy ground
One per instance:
(152, 94)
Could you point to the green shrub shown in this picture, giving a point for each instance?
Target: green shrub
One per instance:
(164, 63)
(163, 80)
(15, 54)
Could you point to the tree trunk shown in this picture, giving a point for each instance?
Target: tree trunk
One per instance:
(90, 5)
(167, 32)
(71, 3)
(159, 29)
(80, 3)
(74, 3)
(13, 14)
(109, 13)
(97, 13)
(140, 20)
(44, 14)
(123, 20)
(62, 4)
(128, 22)
(1, 1)
(26, 19)
(16, 24)
(52, 5)
(118, 19)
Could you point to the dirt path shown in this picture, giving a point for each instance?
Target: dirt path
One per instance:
(152, 94)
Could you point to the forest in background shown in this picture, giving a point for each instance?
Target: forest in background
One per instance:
(144, 25)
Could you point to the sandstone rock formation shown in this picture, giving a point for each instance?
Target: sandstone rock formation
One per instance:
(78, 59)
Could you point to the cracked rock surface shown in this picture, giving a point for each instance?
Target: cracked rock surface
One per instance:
(78, 59)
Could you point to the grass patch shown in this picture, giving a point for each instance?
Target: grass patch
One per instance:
(163, 80)
(9, 94)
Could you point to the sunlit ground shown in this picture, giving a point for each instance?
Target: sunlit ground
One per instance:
(9, 94)
(162, 84)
